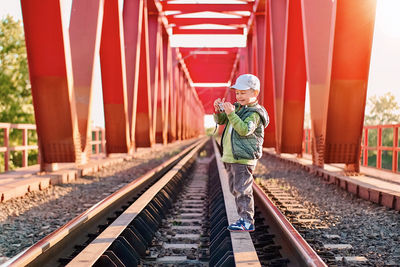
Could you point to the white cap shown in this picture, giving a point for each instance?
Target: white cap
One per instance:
(247, 81)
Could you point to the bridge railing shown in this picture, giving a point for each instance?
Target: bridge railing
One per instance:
(25, 144)
(98, 140)
(380, 146)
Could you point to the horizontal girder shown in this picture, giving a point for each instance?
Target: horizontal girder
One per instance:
(189, 8)
(207, 31)
(194, 21)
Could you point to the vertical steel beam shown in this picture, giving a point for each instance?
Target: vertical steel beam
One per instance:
(85, 33)
(196, 125)
(166, 51)
(188, 114)
(232, 95)
(112, 59)
(154, 28)
(179, 104)
(173, 93)
(269, 81)
(177, 96)
(177, 100)
(160, 101)
(133, 19)
(253, 51)
(192, 111)
(349, 79)
(319, 28)
(143, 128)
(278, 27)
(187, 110)
(249, 53)
(195, 108)
(294, 81)
(229, 94)
(51, 76)
(260, 30)
(183, 107)
(243, 64)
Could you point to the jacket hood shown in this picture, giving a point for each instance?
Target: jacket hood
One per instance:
(260, 110)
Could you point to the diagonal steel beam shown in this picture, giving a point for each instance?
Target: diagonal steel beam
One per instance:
(278, 31)
(269, 81)
(319, 28)
(294, 82)
(85, 34)
(160, 101)
(167, 79)
(144, 130)
(133, 19)
(352, 45)
(112, 58)
(51, 77)
(154, 29)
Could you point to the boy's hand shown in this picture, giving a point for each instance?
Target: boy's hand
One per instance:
(217, 102)
(229, 108)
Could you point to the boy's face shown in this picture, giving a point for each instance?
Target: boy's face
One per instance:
(245, 97)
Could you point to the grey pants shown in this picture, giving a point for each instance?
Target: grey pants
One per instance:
(240, 185)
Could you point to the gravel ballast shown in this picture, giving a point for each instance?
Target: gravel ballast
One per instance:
(26, 220)
(373, 231)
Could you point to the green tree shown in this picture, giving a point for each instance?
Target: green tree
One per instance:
(382, 110)
(15, 90)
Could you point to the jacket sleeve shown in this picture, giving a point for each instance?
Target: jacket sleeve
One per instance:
(220, 118)
(246, 127)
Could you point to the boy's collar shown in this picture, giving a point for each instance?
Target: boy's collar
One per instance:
(253, 104)
(249, 105)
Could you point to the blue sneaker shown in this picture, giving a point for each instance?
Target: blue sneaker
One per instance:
(241, 226)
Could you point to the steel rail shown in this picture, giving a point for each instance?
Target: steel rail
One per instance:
(244, 252)
(52, 245)
(97, 247)
(305, 255)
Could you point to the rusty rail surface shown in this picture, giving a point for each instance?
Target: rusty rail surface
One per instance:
(62, 241)
(302, 252)
(92, 253)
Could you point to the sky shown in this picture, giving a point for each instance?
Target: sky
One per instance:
(385, 58)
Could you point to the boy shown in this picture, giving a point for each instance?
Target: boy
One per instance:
(242, 141)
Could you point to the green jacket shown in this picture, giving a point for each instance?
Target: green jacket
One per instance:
(247, 135)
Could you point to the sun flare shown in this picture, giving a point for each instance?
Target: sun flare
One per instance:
(387, 17)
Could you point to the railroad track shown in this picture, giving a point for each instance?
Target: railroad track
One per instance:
(177, 215)
(331, 250)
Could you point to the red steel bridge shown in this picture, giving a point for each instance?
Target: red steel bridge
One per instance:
(149, 91)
